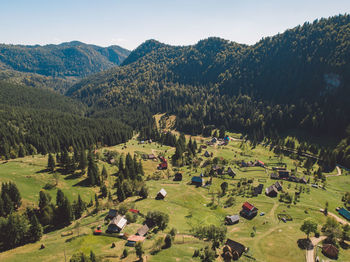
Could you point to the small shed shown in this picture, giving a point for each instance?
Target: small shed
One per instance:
(161, 194)
(133, 239)
(214, 140)
(135, 211)
(271, 191)
(303, 180)
(283, 174)
(178, 177)
(258, 189)
(231, 220)
(233, 250)
(248, 210)
(142, 231)
(345, 213)
(197, 180)
(330, 251)
(230, 172)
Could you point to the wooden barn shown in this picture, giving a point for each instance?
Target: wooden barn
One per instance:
(233, 250)
(161, 194)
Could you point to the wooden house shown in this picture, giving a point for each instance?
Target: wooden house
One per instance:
(230, 172)
(271, 191)
(278, 186)
(283, 174)
(231, 220)
(142, 231)
(161, 194)
(258, 189)
(274, 176)
(248, 210)
(233, 250)
(303, 180)
(133, 239)
(117, 224)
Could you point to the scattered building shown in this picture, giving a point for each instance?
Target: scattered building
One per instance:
(161, 194)
(178, 177)
(248, 210)
(260, 163)
(197, 180)
(117, 224)
(345, 213)
(271, 191)
(214, 140)
(142, 231)
(233, 250)
(278, 185)
(279, 168)
(231, 220)
(135, 211)
(133, 239)
(283, 174)
(230, 172)
(98, 231)
(163, 164)
(206, 154)
(303, 180)
(330, 250)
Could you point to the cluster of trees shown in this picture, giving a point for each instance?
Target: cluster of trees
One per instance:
(184, 153)
(157, 219)
(16, 229)
(211, 233)
(290, 81)
(60, 213)
(129, 180)
(10, 199)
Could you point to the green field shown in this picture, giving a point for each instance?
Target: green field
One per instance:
(187, 206)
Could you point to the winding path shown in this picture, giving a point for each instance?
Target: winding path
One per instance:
(310, 254)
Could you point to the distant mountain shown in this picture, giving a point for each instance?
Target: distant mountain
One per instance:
(295, 80)
(72, 59)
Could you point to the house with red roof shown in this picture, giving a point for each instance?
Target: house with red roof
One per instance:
(248, 210)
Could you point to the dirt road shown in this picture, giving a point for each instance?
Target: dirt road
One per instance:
(310, 254)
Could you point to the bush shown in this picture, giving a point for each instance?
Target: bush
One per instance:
(125, 253)
(168, 241)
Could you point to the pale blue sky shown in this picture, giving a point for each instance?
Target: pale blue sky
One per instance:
(128, 23)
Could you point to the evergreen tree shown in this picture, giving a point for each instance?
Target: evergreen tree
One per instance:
(51, 163)
(8, 204)
(143, 192)
(35, 230)
(93, 175)
(83, 161)
(14, 194)
(104, 173)
(59, 198)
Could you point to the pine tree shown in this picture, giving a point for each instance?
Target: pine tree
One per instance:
(104, 173)
(93, 176)
(51, 163)
(8, 204)
(92, 256)
(44, 199)
(35, 229)
(59, 198)
(83, 161)
(2, 211)
(14, 195)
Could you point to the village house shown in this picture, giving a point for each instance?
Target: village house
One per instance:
(345, 213)
(233, 250)
(248, 210)
(271, 191)
(142, 231)
(278, 186)
(197, 180)
(303, 180)
(283, 174)
(161, 194)
(230, 172)
(133, 239)
(231, 220)
(117, 224)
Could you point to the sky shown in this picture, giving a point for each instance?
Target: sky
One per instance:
(128, 23)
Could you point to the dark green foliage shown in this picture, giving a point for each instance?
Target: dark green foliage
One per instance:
(211, 233)
(103, 190)
(143, 192)
(51, 163)
(83, 161)
(168, 241)
(157, 218)
(125, 253)
(79, 207)
(104, 173)
(66, 59)
(35, 229)
(93, 173)
(139, 250)
(10, 198)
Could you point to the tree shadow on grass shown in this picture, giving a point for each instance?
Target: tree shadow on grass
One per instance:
(83, 183)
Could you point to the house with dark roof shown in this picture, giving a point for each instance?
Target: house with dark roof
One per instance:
(248, 210)
(161, 194)
(206, 154)
(278, 185)
(345, 213)
(233, 250)
(271, 191)
(330, 250)
(230, 172)
(231, 220)
(117, 224)
(178, 177)
(303, 180)
(142, 231)
(283, 174)
(197, 180)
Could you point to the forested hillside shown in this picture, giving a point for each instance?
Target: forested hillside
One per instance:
(293, 81)
(67, 59)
